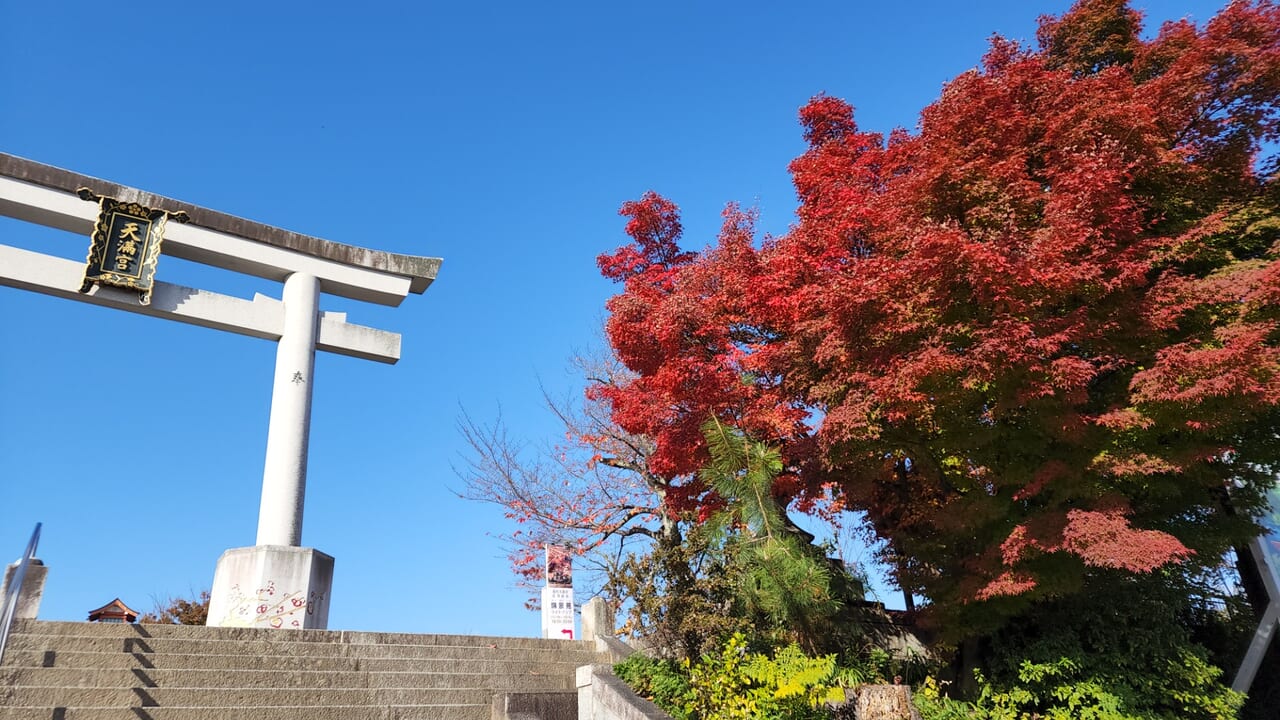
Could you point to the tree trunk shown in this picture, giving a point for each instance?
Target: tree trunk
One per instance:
(884, 702)
(969, 659)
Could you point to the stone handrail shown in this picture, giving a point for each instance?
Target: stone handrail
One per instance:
(602, 696)
(13, 589)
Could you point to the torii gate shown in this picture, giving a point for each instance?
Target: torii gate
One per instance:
(276, 583)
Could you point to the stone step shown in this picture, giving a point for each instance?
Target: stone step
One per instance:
(277, 679)
(500, 665)
(403, 639)
(115, 659)
(146, 697)
(120, 660)
(147, 677)
(61, 670)
(303, 712)
(282, 648)
(580, 656)
(351, 637)
(178, 646)
(146, 630)
(106, 660)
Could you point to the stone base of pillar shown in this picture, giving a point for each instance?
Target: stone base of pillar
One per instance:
(32, 587)
(272, 586)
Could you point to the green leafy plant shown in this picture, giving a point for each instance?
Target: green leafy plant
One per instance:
(738, 684)
(720, 687)
(1054, 691)
(734, 683)
(934, 705)
(665, 682)
(792, 674)
(1123, 652)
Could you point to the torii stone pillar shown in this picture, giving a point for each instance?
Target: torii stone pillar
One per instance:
(276, 583)
(284, 477)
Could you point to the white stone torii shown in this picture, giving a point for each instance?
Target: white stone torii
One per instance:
(276, 583)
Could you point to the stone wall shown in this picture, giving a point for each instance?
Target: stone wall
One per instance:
(602, 696)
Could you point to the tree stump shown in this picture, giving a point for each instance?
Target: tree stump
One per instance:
(884, 702)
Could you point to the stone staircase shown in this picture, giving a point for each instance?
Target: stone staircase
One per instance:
(82, 671)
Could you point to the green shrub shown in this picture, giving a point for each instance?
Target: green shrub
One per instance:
(933, 705)
(664, 682)
(1054, 691)
(1120, 652)
(1063, 690)
(736, 684)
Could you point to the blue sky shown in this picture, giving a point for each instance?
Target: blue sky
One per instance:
(501, 137)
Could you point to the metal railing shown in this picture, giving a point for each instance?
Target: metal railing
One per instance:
(14, 590)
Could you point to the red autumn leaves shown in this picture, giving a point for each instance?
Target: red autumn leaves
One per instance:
(1026, 340)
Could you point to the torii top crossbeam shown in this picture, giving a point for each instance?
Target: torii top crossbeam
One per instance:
(46, 195)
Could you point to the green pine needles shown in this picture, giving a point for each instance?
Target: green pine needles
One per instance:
(783, 576)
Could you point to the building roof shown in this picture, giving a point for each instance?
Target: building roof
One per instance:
(115, 608)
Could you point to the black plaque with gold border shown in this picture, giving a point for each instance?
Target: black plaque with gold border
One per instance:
(126, 244)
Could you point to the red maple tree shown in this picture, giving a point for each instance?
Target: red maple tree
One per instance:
(1034, 337)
